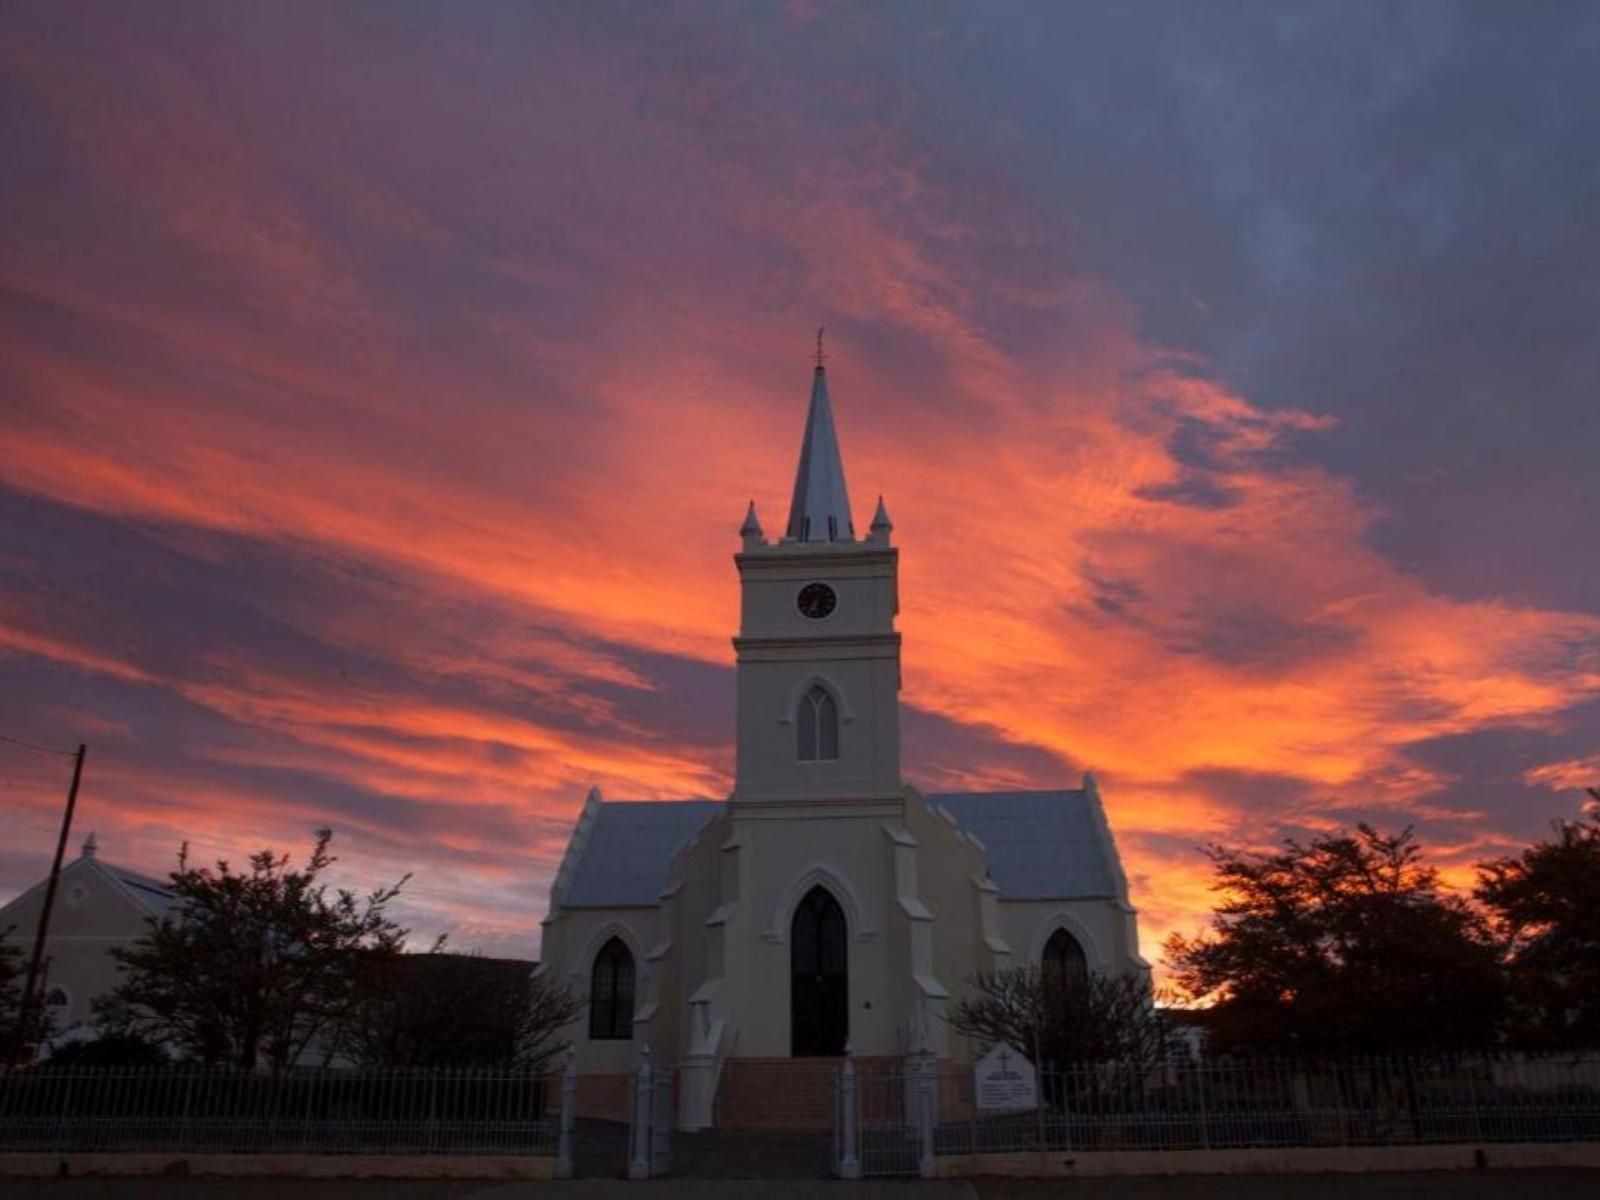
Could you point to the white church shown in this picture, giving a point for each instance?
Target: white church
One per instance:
(826, 904)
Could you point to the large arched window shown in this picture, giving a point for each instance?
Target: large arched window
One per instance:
(611, 993)
(1065, 964)
(818, 725)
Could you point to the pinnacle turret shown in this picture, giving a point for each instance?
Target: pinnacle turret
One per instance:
(751, 529)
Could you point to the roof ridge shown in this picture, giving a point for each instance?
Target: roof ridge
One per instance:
(1080, 790)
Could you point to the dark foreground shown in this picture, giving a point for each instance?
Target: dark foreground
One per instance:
(1443, 1185)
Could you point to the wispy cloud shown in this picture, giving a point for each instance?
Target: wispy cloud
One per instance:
(379, 417)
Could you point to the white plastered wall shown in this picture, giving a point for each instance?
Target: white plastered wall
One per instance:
(571, 942)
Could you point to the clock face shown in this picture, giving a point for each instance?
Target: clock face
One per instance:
(816, 600)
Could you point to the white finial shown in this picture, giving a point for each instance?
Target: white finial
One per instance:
(90, 846)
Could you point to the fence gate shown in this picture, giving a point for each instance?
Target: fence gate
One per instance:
(650, 1127)
(663, 1110)
(883, 1120)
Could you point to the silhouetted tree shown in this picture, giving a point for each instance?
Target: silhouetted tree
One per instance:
(1062, 1021)
(15, 1042)
(425, 1010)
(250, 968)
(1343, 944)
(1545, 904)
(110, 1050)
(11, 977)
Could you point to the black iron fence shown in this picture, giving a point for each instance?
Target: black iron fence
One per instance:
(185, 1110)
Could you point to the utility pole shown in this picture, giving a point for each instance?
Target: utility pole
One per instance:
(34, 963)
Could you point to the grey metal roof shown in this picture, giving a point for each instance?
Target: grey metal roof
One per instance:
(623, 863)
(152, 893)
(820, 508)
(1040, 845)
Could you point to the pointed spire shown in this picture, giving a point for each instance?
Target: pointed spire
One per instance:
(90, 846)
(820, 510)
(751, 526)
(878, 534)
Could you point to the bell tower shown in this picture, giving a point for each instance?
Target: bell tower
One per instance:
(818, 655)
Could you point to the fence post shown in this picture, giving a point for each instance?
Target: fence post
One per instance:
(1472, 1096)
(639, 1158)
(569, 1107)
(661, 1122)
(849, 1160)
(926, 1166)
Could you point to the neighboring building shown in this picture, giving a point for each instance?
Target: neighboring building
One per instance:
(98, 906)
(826, 903)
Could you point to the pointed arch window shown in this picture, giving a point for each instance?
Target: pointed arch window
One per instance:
(611, 993)
(1065, 964)
(817, 725)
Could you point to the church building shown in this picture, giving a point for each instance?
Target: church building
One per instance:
(826, 904)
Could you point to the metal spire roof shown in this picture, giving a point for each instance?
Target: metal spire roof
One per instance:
(820, 510)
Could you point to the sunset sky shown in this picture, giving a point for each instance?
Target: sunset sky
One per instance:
(382, 386)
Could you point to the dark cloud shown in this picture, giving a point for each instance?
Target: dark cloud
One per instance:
(506, 253)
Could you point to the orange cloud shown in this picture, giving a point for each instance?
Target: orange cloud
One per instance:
(1106, 555)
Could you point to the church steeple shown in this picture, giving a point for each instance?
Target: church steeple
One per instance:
(820, 509)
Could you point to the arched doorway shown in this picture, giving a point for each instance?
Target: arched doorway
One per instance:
(819, 981)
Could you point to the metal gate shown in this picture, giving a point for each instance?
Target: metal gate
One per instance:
(650, 1132)
(883, 1120)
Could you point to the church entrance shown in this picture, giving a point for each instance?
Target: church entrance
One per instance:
(819, 985)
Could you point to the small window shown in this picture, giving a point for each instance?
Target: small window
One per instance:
(817, 725)
(611, 994)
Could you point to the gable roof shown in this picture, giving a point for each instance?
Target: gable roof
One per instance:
(1039, 845)
(623, 849)
(151, 897)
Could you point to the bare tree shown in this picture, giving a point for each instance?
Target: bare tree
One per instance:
(1061, 1022)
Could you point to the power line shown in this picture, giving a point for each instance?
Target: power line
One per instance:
(34, 746)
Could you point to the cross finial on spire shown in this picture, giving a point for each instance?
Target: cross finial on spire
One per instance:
(820, 355)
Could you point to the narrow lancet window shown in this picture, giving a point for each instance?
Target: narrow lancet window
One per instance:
(611, 993)
(1065, 965)
(818, 725)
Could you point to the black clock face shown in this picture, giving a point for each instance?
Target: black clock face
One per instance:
(816, 600)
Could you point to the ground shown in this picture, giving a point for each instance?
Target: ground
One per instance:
(1443, 1185)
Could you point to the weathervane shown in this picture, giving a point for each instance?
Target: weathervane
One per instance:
(820, 355)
